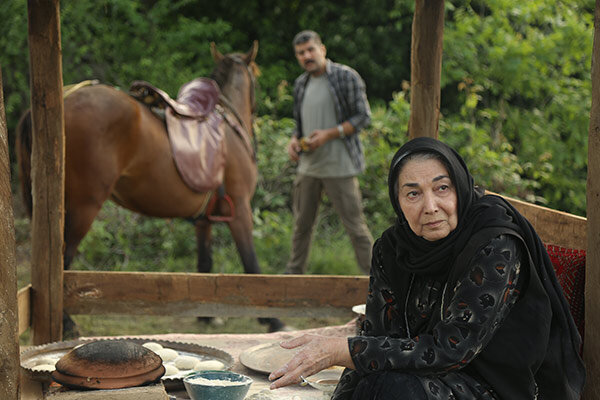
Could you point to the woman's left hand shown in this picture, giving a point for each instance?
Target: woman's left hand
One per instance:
(317, 353)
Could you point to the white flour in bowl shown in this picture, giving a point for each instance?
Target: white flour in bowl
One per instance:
(215, 382)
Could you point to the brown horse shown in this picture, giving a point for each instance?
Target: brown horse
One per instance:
(117, 148)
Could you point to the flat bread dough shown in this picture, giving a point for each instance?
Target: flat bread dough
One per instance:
(171, 370)
(209, 365)
(186, 362)
(167, 354)
(153, 346)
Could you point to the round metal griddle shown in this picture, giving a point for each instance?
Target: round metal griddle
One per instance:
(108, 364)
(31, 356)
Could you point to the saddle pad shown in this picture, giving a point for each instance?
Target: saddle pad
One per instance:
(198, 150)
(197, 138)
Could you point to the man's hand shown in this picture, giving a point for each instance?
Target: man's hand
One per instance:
(316, 353)
(319, 137)
(293, 148)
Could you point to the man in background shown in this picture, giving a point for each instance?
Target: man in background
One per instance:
(330, 109)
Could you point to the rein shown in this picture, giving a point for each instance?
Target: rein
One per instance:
(238, 125)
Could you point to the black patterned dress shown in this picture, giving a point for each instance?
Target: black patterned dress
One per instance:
(395, 345)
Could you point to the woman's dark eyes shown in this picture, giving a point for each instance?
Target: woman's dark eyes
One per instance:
(414, 194)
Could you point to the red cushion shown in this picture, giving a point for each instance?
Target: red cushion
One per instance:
(569, 265)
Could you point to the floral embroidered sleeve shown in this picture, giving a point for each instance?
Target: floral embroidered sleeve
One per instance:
(480, 302)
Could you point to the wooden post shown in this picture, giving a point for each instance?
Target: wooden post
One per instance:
(47, 165)
(9, 338)
(426, 68)
(591, 351)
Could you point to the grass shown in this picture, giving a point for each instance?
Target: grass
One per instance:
(149, 325)
(125, 241)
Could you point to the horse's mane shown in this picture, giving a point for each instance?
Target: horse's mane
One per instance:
(222, 70)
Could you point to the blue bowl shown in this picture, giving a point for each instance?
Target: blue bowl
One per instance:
(217, 385)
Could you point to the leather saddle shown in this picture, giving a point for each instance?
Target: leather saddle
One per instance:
(195, 128)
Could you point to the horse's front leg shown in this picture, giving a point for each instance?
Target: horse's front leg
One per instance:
(204, 240)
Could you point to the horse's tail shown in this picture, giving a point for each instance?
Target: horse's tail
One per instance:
(24, 143)
(23, 149)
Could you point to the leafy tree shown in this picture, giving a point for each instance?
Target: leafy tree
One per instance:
(518, 73)
(128, 40)
(14, 61)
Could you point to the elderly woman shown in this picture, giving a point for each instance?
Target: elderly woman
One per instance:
(463, 302)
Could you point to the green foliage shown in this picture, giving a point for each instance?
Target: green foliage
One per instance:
(14, 63)
(124, 241)
(388, 131)
(276, 172)
(517, 76)
(130, 40)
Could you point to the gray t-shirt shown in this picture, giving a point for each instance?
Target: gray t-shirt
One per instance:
(318, 112)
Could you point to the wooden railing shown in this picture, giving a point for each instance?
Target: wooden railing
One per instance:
(554, 227)
(192, 294)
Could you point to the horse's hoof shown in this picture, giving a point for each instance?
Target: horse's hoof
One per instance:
(288, 328)
(214, 321)
(275, 324)
(70, 330)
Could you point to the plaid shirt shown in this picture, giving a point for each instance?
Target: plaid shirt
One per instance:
(351, 104)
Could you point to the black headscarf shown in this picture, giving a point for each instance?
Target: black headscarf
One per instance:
(540, 319)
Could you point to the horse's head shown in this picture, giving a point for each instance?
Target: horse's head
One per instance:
(236, 74)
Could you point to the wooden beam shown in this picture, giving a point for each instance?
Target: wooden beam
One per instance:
(192, 294)
(47, 163)
(554, 227)
(9, 338)
(426, 68)
(24, 308)
(591, 353)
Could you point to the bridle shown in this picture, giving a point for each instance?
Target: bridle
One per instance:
(238, 60)
(227, 103)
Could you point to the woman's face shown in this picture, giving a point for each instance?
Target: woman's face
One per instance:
(427, 198)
